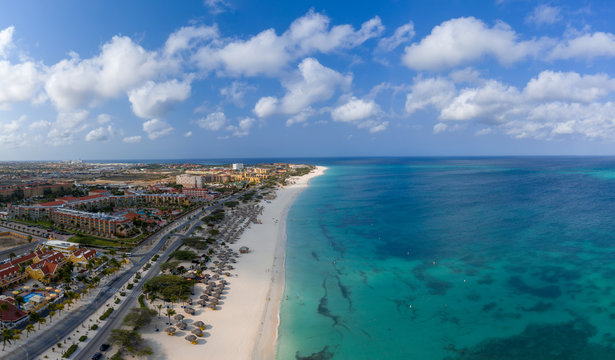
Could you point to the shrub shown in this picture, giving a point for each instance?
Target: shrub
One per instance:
(94, 327)
(83, 338)
(122, 294)
(69, 351)
(129, 286)
(117, 301)
(106, 314)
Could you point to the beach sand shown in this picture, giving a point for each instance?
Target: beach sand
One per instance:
(245, 326)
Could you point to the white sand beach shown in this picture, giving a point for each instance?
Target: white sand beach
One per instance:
(245, 326)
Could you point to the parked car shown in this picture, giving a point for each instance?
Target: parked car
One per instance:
(104, 347)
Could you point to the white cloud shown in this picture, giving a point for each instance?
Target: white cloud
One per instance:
(18, 82)
(217, 6)
(188, 37)
(188, 134)
(585, 46)
(402, 35)
(41, 124)
(213, 122)
(268, 53)
(544, 14)
(103, 118)
(571, 86)
(313, 83)
(100, 134)
(154, 100)
(462, 40)
(6, 40)
(236, 91)
(67, 125)
(11, 134)
(553, 104)
(361, 112)
(132, 139)
(439, 128)
(429, 92)
(242, 128)
(156, 128)
(120, 66)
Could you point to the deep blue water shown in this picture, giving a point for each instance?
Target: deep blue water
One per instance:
(434, 258)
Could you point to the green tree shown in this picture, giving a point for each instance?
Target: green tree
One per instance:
(130, 341)
(169, 313)
(29, 329)
(138, 317)
(8, 335)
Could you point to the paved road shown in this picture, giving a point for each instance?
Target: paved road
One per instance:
(39, 344)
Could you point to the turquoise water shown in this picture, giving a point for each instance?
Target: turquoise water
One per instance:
(452, 259)
(30, 295)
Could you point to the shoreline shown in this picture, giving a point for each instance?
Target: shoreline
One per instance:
(266, 341)
(246, 325)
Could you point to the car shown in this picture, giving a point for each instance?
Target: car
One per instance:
(97, 356)
(104, 347)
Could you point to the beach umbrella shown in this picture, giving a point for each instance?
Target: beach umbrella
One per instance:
(58, 290)
(197, 332)
(53, 295)
(15, 292)
(190, 311)
(199, 324)
(182, 325)
(170, 330)
(26, 287)
(202, 302)
(48, 288)
(203, 297)
(191, 338)
(178, 317)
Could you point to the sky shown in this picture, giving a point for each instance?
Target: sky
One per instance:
(234, 78)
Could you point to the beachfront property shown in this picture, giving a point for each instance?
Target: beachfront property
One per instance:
(10, 314)
(78, 213)
(197, 193)
(42, 263)
(190, 181)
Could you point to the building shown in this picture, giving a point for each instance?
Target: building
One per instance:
(93, 223)
(82, 256)
(237, 166)
(12, 316)
(190, 181)
(197, 193)
(63, 247)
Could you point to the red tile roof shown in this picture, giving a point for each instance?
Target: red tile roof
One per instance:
(12, 314)
(52, 203)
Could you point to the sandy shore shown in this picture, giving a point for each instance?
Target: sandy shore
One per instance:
(246, 325)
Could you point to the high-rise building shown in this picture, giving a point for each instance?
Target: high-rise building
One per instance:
(237, 166)
(190, 181)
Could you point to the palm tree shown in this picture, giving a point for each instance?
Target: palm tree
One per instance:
(51, 314)
(60, 307)
(11, 256)
(170, 312)
(29, 329)
(7, 336)
(42, 320)
(159, 306)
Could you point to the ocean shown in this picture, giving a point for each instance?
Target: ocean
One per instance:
(452, 258)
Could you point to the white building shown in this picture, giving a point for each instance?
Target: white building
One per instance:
(190, 181)
(237, 166)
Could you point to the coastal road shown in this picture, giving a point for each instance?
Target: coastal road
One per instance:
(40, 343)
(115, 320)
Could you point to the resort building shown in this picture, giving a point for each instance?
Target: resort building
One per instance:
(12, 316)
(238, 166)
(82, 256)
(197, 193)
(190, 181)
(93, 223)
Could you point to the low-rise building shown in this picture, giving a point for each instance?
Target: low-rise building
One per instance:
(12, 316)
(197, 193)
(190, 181)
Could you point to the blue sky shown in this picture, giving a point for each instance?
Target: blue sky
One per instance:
(227, 78)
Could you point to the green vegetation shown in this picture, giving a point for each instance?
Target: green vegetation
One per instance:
(122, 294)
(130, 341)
(83, 338)
(92, 241)
(117, 356)
(138, 317)
(106, 314)
(195, 243)
(216, 216)
(155, 257)
(169, 266)
(94, 327)
(171, 287)
(231, 204)
(70, 351)
(117, 301)
(142, 301)
(183, 255)
(129, 286)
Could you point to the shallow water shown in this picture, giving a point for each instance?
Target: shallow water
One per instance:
(508, 258)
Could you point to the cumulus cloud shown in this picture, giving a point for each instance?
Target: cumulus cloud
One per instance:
(120, 66)
(103, 118)
(402, 35)
(213, 122)
(361, 112)
(11, 134)
(268, 53)
(41, 124)
(154, 100)
(236, 91)
(217, 6)
(544, 14)
(67, 125)
(551, 105)
(439, 128)
(462, 40)
(188, 134)
(188, 37)
(156, 128)
(430, 92)
(313, 83)
(242, 128)
(100, 134)
(132, 139)
(6, 40)
(585, 46)
(18, 82)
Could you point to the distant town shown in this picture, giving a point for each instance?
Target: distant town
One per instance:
(68, 229)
